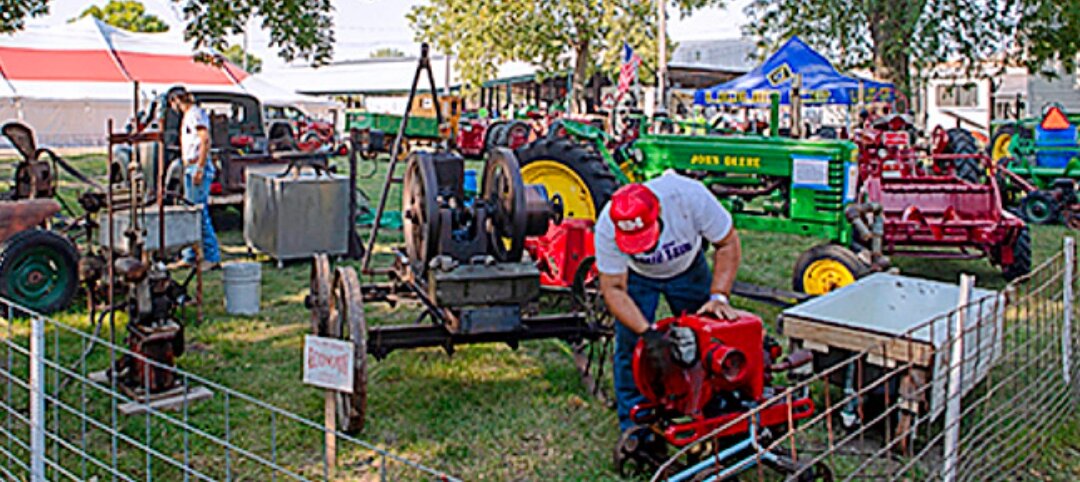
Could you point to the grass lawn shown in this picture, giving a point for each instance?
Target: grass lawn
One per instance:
(487, 412)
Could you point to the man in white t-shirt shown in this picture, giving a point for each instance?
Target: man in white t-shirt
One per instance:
(198, 170)
(650, 241)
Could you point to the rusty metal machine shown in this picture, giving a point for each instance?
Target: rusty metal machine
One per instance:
(464, 263)
(128, 271)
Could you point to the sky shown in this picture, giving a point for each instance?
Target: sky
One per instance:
(366, 25)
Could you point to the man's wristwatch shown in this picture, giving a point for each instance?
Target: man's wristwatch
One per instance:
(720, 297)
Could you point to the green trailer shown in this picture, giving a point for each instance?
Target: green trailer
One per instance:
(768, 183)
(388, 124)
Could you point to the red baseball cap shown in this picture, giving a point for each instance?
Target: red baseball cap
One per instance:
(635, 211)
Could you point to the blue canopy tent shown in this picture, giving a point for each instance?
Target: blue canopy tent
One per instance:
(821, 83)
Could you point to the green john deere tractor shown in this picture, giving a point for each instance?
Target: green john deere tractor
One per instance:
(1040, 161)
(768, 183)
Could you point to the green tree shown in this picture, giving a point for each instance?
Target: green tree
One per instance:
(237, 55)
(126, 14)
(893, 37)
(13, 13)
(300, 29)
(582, 36)
(386, 53)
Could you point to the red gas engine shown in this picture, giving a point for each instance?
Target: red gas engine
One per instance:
(711, 374)
(727, 376)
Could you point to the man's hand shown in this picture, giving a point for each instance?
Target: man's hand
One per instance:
(197, 179)
(719, 309)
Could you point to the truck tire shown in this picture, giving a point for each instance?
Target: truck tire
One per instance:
(962, 142)
(38, 270)
(826, 267)
(1039, 207)
(571, 171)
(1021, 264)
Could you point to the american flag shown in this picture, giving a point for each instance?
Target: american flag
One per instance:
(628, 72)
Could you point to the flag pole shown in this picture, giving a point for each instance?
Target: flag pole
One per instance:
(661, 55)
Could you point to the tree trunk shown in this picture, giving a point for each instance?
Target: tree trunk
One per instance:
(890, 30)
(580, 77)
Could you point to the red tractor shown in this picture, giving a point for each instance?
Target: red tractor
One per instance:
(937, 202)
(311, 134)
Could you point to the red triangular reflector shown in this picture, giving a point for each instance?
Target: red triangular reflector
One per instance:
(1055, 120)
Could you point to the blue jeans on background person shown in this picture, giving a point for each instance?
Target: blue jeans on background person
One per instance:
(685, 292)
(201, 195)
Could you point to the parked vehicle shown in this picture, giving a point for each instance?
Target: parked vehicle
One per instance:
(239, 139)
(312, 134)
(1040, 162)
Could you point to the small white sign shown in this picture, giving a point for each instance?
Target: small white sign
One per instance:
(810, 172)
(328, 363)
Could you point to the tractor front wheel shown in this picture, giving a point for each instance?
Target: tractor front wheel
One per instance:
(826, 267)
(38, 270)
(1039, 207)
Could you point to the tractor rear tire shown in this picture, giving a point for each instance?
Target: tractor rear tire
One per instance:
(962, 142)
(492, 133)
(1039, 207)
(826, 267)
(567, 169)
(1021, 264)
(999, 143)
(38, 270)
(826, 133)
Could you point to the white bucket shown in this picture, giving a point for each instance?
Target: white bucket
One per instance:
(243, 286)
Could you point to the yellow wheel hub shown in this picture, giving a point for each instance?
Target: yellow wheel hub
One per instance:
(560, 179)
(825, 275)
(1001, 147)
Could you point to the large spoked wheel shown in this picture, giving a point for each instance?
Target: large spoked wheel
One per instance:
(38, 270)
(826, 267)
(505, 192)
(578, 175)
(593, 355)
(346, 322)
(318, 300)
(420, 211)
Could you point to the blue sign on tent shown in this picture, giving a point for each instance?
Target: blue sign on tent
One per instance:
(821, 83)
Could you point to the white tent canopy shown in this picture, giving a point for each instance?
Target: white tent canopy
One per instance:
(67, 81)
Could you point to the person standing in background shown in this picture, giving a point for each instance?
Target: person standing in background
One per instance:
(198, 170)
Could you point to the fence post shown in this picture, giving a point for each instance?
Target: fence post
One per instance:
(954, 394)
(37, 399)
(1067, 297)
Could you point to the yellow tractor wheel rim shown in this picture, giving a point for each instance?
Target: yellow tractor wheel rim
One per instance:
(1001, 147)
(560, 179)
(825, 275)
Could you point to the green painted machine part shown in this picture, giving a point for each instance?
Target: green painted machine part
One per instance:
(418, 127)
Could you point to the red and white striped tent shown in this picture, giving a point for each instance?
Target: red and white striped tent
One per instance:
(67, 81)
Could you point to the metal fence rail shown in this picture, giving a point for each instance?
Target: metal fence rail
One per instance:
(61, 422)
(982, 408)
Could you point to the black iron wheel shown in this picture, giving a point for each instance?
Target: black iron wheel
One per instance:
(38, 270)
(420, 211)
(318, 299)
(504, 192)
(347, 323)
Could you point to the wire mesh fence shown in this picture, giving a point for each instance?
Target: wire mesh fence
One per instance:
(62, 420)
(973, 394)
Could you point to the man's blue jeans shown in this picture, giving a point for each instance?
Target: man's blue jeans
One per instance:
(201, 195)
(685, 292)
